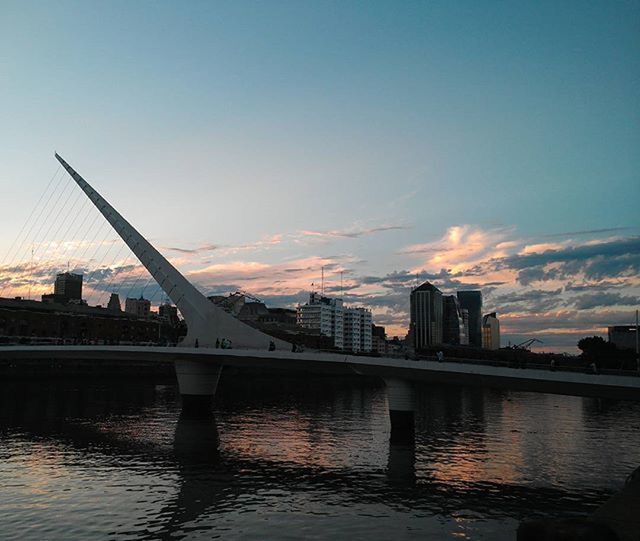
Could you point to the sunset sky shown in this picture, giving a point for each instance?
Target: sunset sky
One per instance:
(474, 144)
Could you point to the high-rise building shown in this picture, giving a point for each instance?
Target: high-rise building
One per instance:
(323, 315)
(357, 329)
(464, 331)
(378, 339)
(426, 316)
(352, 324)
(622, 336)
(452, 321)
(472, 301)
(139, 307)
(490, 331)
(350, 328)
(68, 287)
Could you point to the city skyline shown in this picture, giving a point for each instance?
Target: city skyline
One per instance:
(492, 171)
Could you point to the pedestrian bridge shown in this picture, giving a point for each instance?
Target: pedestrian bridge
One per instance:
(192, 361)
(198, 368)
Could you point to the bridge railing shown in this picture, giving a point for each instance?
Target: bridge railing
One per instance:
(530, 365)
(50, 341)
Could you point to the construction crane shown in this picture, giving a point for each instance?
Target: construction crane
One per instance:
(527, 344)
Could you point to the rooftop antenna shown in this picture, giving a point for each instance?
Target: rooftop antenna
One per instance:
(341, 288)
(322, 281)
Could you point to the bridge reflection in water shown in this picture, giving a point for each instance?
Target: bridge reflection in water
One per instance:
(300, 457)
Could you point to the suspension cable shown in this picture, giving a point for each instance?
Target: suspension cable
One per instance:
(29, 218)
(33, 224)
(66, 217)
(65, 246)
(46, 220)
(123, 245)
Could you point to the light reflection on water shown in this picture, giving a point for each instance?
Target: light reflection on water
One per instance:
(288, 458)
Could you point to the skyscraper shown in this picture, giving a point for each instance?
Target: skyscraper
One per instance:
(472, 301)
(68, 287)
(491, 331)
(464, 331)
(426, 316)
(453, 324)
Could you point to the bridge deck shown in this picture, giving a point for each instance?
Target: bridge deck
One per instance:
(529, 379)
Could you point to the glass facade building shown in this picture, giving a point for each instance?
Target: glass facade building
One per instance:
(426, 316)
(472, 302)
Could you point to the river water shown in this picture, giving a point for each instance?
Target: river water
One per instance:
(305, 457)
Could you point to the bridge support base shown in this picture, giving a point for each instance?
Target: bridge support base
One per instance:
(401, 401)
(197, 381)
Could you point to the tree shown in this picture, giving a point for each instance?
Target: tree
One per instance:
(605, 354)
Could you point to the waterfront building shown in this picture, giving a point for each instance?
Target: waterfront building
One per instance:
(282, 317)
(68, 286)
(138, 307)
(114, 303)
(426, 316)
(169, 313)
(378, 340)
(24, 321)
(352, 324)
(251, 312)
(464, 331)
(491, 331)
(622, 336)
(396, 347)
(472, 302)
(66, 289)
(323, 315)
(349, 328)
(453, 329)
(357, 330)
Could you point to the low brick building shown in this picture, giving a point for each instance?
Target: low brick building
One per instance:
(25, 320)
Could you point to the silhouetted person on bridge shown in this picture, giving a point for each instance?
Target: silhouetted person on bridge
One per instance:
(217, 343)
(196, 344)
(272, 346)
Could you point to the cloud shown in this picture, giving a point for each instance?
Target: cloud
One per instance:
(585, 232)
(553, 289)
(351, 233)
(594, 286)
(531, 301)
(598, 260)
(587, 321)
(200, 249)
(266, 242)
(593, 300)
(460, 247)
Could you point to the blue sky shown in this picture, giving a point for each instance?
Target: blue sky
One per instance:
(375, 138)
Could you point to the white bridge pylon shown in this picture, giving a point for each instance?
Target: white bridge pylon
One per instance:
(206, 322)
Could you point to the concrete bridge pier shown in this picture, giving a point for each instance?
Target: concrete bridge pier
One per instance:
(197, 381)
(401, 400)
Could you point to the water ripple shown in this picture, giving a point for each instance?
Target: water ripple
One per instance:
(292, 458)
